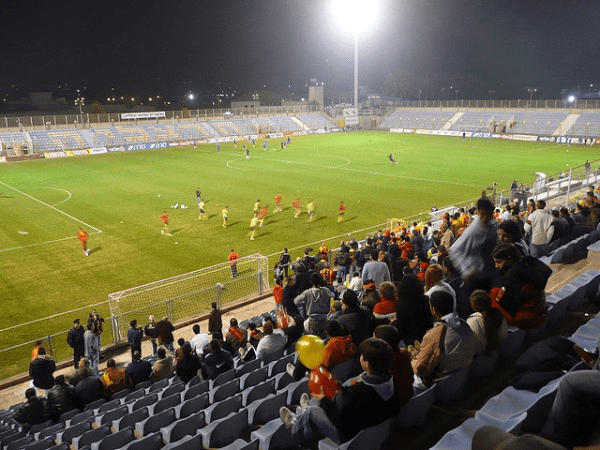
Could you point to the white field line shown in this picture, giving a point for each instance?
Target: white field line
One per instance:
(342, 167)
(52, 207)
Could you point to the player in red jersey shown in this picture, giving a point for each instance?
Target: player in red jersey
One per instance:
(277, 203)
(262, 215)
(342, 209)
(233, 257)
(82, 236)
(297, 205)
(165, 220)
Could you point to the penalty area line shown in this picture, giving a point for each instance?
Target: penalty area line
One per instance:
(53, 208)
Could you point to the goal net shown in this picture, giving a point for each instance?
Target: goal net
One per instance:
(190, 294)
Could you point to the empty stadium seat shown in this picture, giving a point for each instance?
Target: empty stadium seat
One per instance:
(155, 422)
(183, 427)
(223, 408)
(224, 431)
(372, 438)
(116, 440)
(224, 391)
(258, 391)
(253, 378)
(266, 409)
(192, 405)
(93, 435)
(151, 442)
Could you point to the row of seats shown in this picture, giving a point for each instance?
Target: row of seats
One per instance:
(519, 411)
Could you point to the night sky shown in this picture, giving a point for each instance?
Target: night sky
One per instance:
(481, 48)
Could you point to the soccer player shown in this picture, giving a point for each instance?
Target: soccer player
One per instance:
(256, 207)
(201, 211)
(225, 215)
(391, 158)
(235, 143)
(262, 215)
(278, 203)
(253, 224)
(342, 209)
(265, 145)
(310, 210)
(247, 152)
(297, 205)
(165, 220)
(233, 257)
(198, 195)
(218, 147)
(253, 139)
(82, 236)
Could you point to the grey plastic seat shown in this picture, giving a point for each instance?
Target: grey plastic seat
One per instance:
(40, 444)
(247, 367)
(372, 438)
(253, 378)
(135, 395)
(155, 422)
(159, 385)
(274, 356)
(223, 378)
(67, 416)
(280, 365)
(191, 406)
(187, 443)
(414, 413)
(110, 416)
(147, 401)
(197, 389)
(450, 389)
(129, 420)
(240, 444)
(50, 431)
(223, 408)
(258, 391)
(459, 437)
(108, 406)
(87, 438)
(183, 427)
(19, 443)
(273, 434)
(175, 388)
(151, 442)
(224, 391)
(115, 440)
(224, 431)
(73, 431)
(82, 417)
(166, 403)
(95, 404)
(266, 409)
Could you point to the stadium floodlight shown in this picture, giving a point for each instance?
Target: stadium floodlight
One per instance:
(190, 96)
(571, 98)
(355, 16)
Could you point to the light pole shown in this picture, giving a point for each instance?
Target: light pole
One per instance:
(355, 16)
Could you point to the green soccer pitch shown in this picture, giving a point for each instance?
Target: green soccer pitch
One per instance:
(118, 198)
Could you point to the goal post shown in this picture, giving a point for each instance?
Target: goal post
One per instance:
(191, 294)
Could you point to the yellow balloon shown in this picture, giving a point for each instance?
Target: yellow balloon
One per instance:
(310, 351)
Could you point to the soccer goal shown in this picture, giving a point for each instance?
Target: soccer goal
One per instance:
(191, 294)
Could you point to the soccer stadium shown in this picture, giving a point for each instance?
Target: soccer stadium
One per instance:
(373, 272)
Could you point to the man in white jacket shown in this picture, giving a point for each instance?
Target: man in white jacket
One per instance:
(538, 226)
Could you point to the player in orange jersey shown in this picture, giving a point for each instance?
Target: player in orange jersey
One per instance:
(262, 215)
(164, 218)
(233, 257)
(277, 203)
(297, 205)
(342, 209)
(82, 236)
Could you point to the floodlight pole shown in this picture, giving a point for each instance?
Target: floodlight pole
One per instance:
(356, 69)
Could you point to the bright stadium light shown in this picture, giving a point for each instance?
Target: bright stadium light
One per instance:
(571, 98)
(356, 16)
(190, 96)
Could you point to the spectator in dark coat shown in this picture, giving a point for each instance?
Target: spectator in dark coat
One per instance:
(215, 323)
(356, 320)
(33, 411)
(188, 365)
(413, 317)
(163, 366)
(76, 342)
(164, 331)
(138, 369)
(61, 398)
(218, 361)
(41, 370)
(88, 386)
(134, 337)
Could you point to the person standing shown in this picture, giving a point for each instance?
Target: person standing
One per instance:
(41, 370)
(297, 205)
(225, 215)
(134, 337)
(538, 225)
(91, 349)
(164, 218)
(82, 236)
(314, 304)
(253, 225)
(201, 211)
(284, 262)
(310, 210)
(97, 328)
(233, 257)
(342, 211)
(277, 203)
(262, 215)
(198, 195)
(215, 324)
(150, 331)
(164, 331)
(76, 342)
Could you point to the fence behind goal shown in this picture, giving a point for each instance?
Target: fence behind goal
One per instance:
(190, 294)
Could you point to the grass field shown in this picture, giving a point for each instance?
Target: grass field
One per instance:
(118, 198)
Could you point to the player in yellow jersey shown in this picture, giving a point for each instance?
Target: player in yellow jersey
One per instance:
(253, 225)
(310, 210)
(225, 215)
(201, 212)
